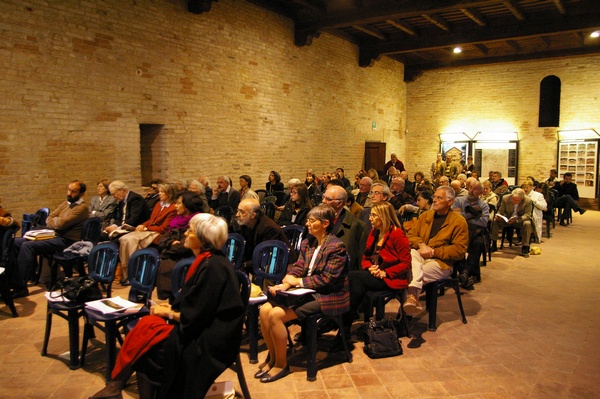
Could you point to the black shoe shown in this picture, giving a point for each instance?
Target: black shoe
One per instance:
(582, 211)
(261, 373)
(20, 293)
(125, 282)
(328, 325)
(283, 373)
(463, 278)
(494, 247)
(525, 252)
(563, 223)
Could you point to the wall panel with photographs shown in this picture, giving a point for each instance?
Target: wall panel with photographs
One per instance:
(581, 159)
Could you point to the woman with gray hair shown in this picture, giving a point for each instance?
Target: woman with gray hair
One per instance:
(185, 346)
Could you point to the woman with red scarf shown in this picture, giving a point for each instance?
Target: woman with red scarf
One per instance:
(187, 345)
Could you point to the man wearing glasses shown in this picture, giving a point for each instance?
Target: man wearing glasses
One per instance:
(346, 226)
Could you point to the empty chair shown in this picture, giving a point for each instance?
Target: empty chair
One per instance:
(102, 263)
(234, 249)
(5, 259)
(142, 269)
(35, 220)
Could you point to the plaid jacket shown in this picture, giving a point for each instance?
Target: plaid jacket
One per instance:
(329, 276)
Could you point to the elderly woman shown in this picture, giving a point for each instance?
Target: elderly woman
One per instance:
(539, 206)
(150, 231)
(187, 345)
(198, 188)
(488, 195)
(386, 262)
(296, 209)
(321, 267)
(103, 205)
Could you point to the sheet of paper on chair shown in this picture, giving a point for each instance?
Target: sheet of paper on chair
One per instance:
(300, 291)
(111, 305)
(55, 296)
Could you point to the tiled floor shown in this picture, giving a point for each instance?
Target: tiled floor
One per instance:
(532, 332)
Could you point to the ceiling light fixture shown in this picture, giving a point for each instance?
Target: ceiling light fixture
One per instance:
(595, 34)
(457, 50)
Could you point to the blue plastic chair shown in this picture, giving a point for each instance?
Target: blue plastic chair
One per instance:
(142, 270)
(234, 249)
(294, 233)
(178, 275)
(102, 263)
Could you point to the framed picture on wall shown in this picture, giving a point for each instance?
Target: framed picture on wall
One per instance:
(458, 150)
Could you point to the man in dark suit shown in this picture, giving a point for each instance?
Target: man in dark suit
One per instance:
(224, 194)
(257, 227)
(346, 226)
(516, 210)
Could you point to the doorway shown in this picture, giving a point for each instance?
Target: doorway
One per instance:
(375, 156)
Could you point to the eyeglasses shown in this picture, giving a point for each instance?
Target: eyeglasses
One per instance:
(373, 216)
(376, 192)
(312, 220)
(329, 199)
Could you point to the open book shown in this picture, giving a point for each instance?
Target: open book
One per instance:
(505, 218)
(111, 305)
(43, 234)
(121, 230)
(298, 291)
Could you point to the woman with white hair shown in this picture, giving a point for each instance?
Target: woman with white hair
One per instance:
(187, 345)
(539, 206)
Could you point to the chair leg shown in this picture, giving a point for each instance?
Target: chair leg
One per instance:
(111, 347)
(7, 296)
(73, 318)
(431, 292)
(342, 335)
(48, 329)
(252, 324)
(237, 367)
(311, 364)
(460, 305)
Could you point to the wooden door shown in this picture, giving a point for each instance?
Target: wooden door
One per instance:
(375, 156)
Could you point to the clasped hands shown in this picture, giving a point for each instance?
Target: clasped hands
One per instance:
(162, 310)
(287, 282)
(377, 272)
(426, 251)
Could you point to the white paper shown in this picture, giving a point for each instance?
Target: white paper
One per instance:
(111, 305)
(300, 291)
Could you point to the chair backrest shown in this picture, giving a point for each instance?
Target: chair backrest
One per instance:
(269, 261)
(34, 220)
(226, 212)
(102, 263)
(91, 230)
(244, 282)
(7, 244)
(294, 233)
(141, 271)
(234, 249)
(270, 198)
(261, 194)
(269, 209)
(316, 199)
(178, 275)
(280, 195)
(42, 214)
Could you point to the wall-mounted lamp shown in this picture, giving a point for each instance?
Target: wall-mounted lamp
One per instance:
(595, 34)
(496, 136)
(454, 137)
(579, 134)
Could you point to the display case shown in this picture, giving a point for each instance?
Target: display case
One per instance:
(578, 154)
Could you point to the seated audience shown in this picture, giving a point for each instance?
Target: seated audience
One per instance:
(297, 207)
(424, 201)
(340, 176)
(373, 175)
(67, 222)
(488, 195)
(274, 183)
(132, 210)
(353, 206)
(198, 188)
(181, 185)
(458, 190)
(362, 195)
(438, 239)
(103, 205)
(515, 210)
(150, 231)
(443, 181)
(245, 188)
(399, 196)
(206, 183)
(322, 267)
(477, 214)
(567, 197)
(409, 186)
(170, 245)
(224, 194)
(539, 206)
(187, 345)
(386, 260)
(312, 184)
(499, 185)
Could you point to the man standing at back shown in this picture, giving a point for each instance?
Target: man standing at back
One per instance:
(67, 221)
(346, 226)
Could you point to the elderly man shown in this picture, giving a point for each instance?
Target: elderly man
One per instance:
(132, 210)
(477, 214)
(458, 190)
(399, 196)
(346, 226)
(438, 239)
(409, 186)
(363, 194)
(256, 227)
(444, 181)
(395, 162)
(515, 210)
(208, 191)
(224, 194)
(67, 222)
(379, 193)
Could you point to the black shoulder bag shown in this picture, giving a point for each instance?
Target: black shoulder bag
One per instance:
(382, 339)
(78, 289)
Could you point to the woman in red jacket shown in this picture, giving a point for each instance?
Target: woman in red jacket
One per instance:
(386, 263)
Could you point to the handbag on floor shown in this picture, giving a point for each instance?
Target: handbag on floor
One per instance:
(381, 339)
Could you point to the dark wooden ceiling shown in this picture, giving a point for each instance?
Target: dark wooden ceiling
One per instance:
(422, 34)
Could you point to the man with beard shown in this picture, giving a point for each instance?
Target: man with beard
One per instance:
(67, 221)
(256, 227)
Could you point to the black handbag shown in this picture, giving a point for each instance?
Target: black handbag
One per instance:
(382, 339)
(78, 289)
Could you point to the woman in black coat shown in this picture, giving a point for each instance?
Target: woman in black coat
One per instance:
(187, 345)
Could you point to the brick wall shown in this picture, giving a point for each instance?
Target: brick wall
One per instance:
(233, 92)
(503, 97)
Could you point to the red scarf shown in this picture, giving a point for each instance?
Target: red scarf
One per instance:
(192, 270)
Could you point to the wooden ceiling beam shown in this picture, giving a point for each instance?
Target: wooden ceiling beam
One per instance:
(514, 9)
(482, 49)
(437, 21)
(560, 7)
(474, 15)
(402, 26)
(371, 31)
(512, 44)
